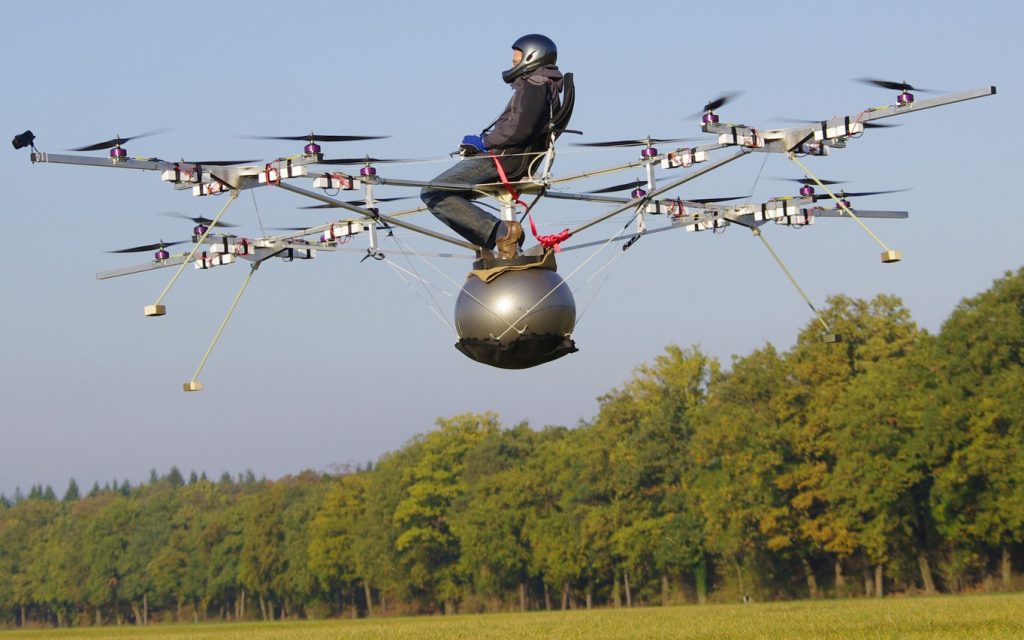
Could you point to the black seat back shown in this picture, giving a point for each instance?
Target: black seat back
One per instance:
(560, 119)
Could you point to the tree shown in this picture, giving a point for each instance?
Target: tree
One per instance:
(979, 492)
(432, 484)
(72, 494)
(489, 520)
(745, 450)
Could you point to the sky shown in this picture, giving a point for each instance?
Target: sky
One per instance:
(333, 362)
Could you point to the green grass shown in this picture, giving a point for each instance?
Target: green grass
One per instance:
(987, 616)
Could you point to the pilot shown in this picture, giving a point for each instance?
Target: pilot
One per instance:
(514, 140)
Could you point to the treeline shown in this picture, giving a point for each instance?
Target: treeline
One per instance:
(890, 462)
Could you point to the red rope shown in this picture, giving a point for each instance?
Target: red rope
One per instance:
(552, 241)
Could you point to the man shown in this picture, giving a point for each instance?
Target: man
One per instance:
(514, 139)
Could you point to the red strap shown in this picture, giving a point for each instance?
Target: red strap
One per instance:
(548, 242)
(268, 169)
(504, 180)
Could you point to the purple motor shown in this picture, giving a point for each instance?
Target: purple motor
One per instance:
(199, 230)
(367, 171)
(709, 118)
(312, 149)
(905, 98)
(649, 152)
(161, 255)
(638, 193)
(117, 153)
(807, 190)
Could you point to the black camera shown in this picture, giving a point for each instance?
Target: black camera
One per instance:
(23, 140)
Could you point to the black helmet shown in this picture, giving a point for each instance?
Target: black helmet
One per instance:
(537, 51)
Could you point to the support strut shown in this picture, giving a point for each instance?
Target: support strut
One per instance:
(157, 309)
(889, 255)
(194, 384)
(828, 336)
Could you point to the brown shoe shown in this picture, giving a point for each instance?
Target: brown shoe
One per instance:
(508, 245)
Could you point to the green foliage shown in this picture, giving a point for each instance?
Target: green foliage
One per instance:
(894, 454)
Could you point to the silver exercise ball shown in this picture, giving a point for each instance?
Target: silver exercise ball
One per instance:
(536, 301)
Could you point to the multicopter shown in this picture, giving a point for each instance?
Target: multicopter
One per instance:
(514, 313)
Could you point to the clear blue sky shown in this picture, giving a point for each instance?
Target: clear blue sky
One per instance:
(332, 361)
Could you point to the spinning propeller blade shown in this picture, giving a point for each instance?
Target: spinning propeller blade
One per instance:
(198, 219)
(358, 203)
(312, 137)
(117, 141)
(217, 163)
(637, 142)
(717, 103)
(811, 183)
(368, 160)
(867, 125)
(862, 194)
(710, 200)
(621, 187)
(889, 84)
(149, 247)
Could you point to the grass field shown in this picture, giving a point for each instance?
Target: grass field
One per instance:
(983, 616)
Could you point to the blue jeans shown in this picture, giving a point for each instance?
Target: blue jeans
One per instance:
(454, 207)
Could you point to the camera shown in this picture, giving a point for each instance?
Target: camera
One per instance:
(23, 140)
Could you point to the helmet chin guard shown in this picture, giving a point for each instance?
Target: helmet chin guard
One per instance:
(538, 51)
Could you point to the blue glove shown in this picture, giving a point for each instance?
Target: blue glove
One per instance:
(476, 142)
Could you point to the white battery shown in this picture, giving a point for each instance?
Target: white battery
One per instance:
(276, 174)
(683, 158)
(178, 176)
(659, 207)
(799, 220)
(342, 230)
(209, 189)
(707, 225)
(838, 129)
(208, 261)
(814, 149)
(776, 209)
(336, 181)
(743, 137)
(241, 247)
(293, 253)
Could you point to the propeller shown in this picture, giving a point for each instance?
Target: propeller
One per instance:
(807, 182)
(313, 137)
(216, 163)
(198, 219)
(867, 125)
(117, 141)
(889, 84)
(861, 194)
(716, 103)
(358, 203)
(149, 247)
(710, 200)
(368, 160)
(635, 184)
(637, 142)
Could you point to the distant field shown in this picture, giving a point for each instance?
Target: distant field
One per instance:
(989, 616)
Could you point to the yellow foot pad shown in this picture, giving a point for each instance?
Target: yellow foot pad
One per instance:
(193, 386)
(154, 310)
(831, 338)
(891, 256)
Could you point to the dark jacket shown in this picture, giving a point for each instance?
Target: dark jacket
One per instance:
(522, 128)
